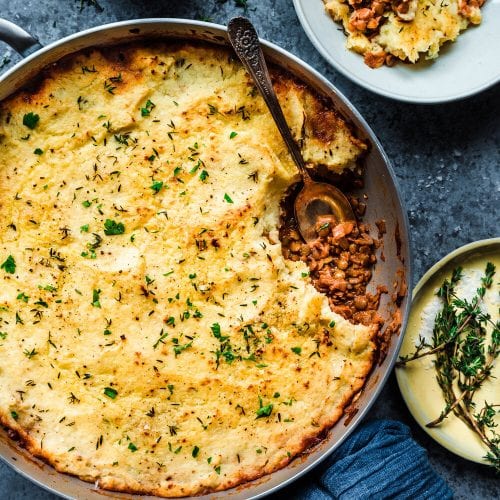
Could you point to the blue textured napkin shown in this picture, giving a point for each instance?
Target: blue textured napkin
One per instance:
(380, 460)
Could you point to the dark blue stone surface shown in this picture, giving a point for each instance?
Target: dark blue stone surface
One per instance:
(446, 158)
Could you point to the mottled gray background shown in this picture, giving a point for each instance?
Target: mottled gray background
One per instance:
(446, 158)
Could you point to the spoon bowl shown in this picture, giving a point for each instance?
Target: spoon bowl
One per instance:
(315, 198)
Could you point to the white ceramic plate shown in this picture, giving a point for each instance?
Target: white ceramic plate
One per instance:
(417, 380)
(465, 67)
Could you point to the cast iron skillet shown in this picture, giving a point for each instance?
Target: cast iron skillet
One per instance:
(384, 202)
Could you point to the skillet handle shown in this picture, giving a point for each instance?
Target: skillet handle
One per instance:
(19, 39)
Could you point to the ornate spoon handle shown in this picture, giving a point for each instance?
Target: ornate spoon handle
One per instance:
(245, 42)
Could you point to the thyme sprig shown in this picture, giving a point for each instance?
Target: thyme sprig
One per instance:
(464, 359)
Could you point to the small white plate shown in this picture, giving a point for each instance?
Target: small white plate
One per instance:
(417, 380)
(465, 67)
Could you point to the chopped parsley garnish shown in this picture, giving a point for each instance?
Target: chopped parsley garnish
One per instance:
(31, 120)
(84, 228)
(216, 332)
(112, 227)
(14, 415)
(9, 266)
(203, 175)
(38, 151)
(132, 447)
(86, 203)
(228, 198)
(95, 298)
(264, 411)
(3, 335)
(178, 349)
(110, 392)
(232, 135)
(22, 296)
(163, 336)
(195, 451)
(297, 350)
(146, 110)
(196, 167)
(331, 324)
(217, 469)
(156, 186)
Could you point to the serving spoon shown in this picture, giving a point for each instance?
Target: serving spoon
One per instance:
(315, 198)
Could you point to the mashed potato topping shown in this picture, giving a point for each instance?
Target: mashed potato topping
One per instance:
(153, 338)
(405, 29)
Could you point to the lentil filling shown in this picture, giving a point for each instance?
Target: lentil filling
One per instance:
(340, 261)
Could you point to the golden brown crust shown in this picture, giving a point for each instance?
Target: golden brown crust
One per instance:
(153, 338)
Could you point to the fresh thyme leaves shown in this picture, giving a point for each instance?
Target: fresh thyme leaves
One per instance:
(113, 228)
(31, 120)
(464, 358)
(9, 266)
